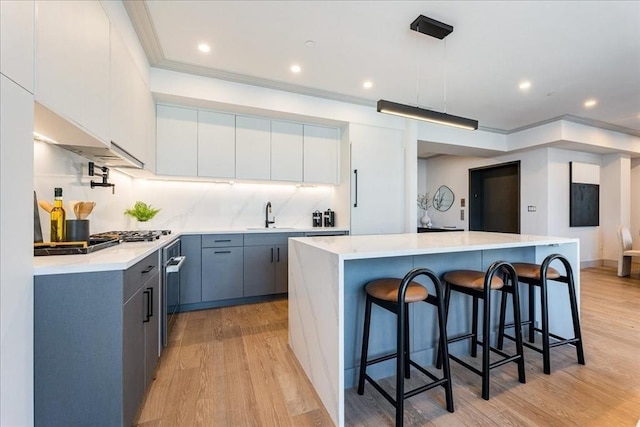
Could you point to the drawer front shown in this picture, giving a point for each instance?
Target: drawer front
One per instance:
(221, 240)
(268, 238)
(139, 274)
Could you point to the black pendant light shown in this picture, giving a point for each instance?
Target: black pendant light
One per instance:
(439, 30)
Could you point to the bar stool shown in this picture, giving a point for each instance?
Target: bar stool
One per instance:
(395, 295)
(479, 285)
(537, 275)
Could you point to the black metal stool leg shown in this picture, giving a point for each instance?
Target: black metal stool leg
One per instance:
(544, 313)
(474, 328)
(365, 345)
(532, 313)
(407, 353)
(576, 319)
(486, 341)
(503, 315)
(447, 298)
(443, 352)
(518, 327)
(400, 363)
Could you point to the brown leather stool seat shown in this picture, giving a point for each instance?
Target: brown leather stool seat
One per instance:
(536, 275)
(500, 276)
(532, 271)
(395, 295)
(387, 290)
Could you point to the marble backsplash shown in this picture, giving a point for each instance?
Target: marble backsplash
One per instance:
(184, 204)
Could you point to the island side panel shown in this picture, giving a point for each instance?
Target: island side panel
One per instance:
(315, 322)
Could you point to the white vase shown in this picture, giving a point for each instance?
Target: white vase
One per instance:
(425, 220)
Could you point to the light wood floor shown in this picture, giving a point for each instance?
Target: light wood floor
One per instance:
(232, 367)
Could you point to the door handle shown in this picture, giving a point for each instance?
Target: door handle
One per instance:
(146, 315)
(355, 172)
(278, 259)
(150, 306)
(271, 255)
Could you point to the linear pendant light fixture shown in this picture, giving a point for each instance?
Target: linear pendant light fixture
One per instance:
(439, 30)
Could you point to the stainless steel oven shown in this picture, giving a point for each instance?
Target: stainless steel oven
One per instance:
(171, 263)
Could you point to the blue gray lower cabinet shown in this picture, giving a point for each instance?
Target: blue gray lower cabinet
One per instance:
(191, 271)
(265, 263)
(94, 354)
(222, 273)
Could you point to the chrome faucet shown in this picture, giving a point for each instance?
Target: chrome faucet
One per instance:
(266, 216)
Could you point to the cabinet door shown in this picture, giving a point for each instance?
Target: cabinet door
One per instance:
(222, 273)
(58, 44)
(282, 269)
(137, 142)
(216, 145)
(151, 328)
(72, 63)
(177, 141)
(133, 342)
(191, 271)
(259, 277)
(94, 61)
(16, 41)
(253, 148)
(286, 151)
(121, 108)
(379, 196)
(321, 154)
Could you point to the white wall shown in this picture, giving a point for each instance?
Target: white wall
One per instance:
(544, 184)
(184, 204)
(615, 207)
(635, 202)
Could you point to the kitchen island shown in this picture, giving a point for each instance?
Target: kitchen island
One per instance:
(326, 299)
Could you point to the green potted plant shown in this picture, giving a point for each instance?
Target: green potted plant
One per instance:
(142, 212)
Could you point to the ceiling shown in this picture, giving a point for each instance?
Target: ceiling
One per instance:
(570, 51)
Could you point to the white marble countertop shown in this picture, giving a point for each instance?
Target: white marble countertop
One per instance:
(124, 255)
(389, 245)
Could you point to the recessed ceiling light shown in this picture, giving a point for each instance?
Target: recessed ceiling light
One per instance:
(368, 84)
(590, 103)
(203, 47)
(310, 43)
(524, 85)
(295, 68)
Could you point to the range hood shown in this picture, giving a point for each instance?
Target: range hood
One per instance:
(52, 128)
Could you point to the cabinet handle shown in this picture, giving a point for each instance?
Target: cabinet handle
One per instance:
(221, 252)
(271, 255)
(355, 172)
(278, 254)
(147, 317)
(150, 309)
(221, 241)
(148, 269)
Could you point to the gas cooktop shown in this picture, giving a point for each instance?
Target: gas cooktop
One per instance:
(135, 235)
(97, 242)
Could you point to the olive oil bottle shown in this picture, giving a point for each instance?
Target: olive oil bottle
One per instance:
(58, 215)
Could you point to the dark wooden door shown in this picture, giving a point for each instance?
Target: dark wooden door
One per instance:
(494, 198)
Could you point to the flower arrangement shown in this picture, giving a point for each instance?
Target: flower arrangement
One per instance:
(424, 201)
(142, 212)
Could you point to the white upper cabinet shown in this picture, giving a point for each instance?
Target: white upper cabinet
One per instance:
(72, 63)
(253, 148)
(177, 141)
(321, 145)
(16, 41)
(286, 151)
(121, 96)
(216, 145)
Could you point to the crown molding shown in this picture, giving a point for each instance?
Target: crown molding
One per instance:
(143, 25)
(582, 121)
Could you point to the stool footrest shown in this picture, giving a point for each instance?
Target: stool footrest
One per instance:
(559, 341)
(382, 359)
